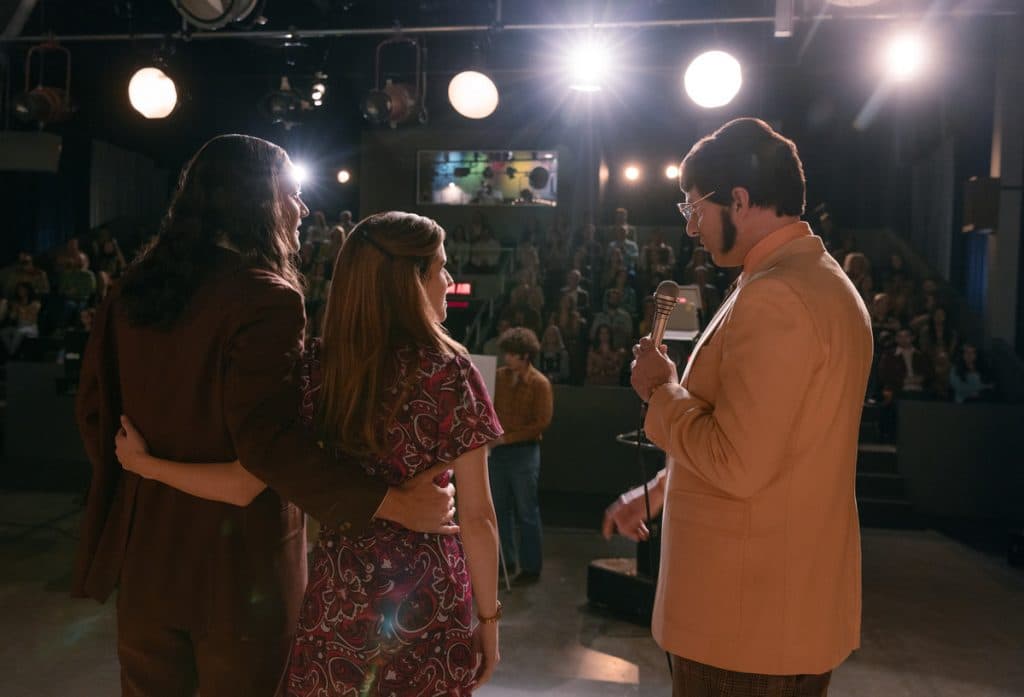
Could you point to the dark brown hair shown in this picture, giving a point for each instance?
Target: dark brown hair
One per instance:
(747, 153)
(519, 341)
(228, 193)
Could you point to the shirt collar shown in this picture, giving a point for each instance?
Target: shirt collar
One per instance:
(771, 243)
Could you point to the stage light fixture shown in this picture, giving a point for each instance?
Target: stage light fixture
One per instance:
(632, 173)
(344, 176)
(906, 55)
(588, 66)
(41, 103)
(473, 94)
(214, 14)
(396, 102)
(713, 79)
(152, 93)
(301, 172)
(671, 172)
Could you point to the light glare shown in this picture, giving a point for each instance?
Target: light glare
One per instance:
(632, 173)
(713, 79)
(588, 67)
(906, 55)
(344, 176)
(473, 94)
(152, 93)
(671, 172)
(300, 173)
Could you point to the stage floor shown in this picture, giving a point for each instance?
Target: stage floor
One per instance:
(940, 619)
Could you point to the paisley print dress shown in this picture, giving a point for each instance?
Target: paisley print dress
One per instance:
(390, 612)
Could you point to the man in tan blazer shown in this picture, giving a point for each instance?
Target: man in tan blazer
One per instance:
(759, 587)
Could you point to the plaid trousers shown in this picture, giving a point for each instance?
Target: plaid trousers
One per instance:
(692, 679)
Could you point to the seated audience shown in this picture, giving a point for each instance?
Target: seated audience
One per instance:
(969, 378)
(579, 295)
(25, 271)
(553, 357)
(905, 371)
(858, 270)
(604, 361)
(22, 318)
(617, 319)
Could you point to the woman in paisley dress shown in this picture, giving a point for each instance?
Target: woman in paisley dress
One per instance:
(391, 612)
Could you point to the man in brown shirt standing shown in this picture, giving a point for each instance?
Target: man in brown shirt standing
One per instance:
(199, 345)
(524, 404)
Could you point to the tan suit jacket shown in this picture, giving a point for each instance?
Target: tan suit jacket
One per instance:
(760, 569)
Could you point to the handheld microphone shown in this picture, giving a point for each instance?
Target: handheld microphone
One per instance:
(665, 298)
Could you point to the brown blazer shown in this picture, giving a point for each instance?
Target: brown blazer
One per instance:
(760, 569)
(221, 384)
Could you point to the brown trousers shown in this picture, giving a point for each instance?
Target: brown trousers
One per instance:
(692, 679)
(159, 661)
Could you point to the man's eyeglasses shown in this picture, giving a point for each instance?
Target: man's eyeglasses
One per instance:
(686, 208)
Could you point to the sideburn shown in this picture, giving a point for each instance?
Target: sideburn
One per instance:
(728, 232)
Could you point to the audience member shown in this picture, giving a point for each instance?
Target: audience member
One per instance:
(554, 358)
(657, 261)
(573, 327)
(579, 296)
(76, 288)
(25, 271)
(882, 316)
(485, 251)
(71, 258)
(527, 256)
(23, 315)
(614, 316)
(624, 239)
(526, 292)
(588, 255)
(905, 371)
(858, 270)
(969, 378)
(457, 246)
(935, 336)
(604, 361)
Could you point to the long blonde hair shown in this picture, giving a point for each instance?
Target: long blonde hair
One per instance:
(377, 306)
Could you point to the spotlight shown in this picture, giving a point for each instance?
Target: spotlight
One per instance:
(152, 93)
(632, 173)
(45, 103)
(300, 172)
(317, 93)
(713, 79)
(396, 102)
(214, 14)
(671, 172)
(283, 105)
(473, 94)
(588, 66)
(906, 55)
(344, 176)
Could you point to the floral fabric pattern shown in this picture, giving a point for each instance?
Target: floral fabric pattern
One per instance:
(390, 612)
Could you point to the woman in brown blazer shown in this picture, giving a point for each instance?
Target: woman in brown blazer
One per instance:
(199, 345)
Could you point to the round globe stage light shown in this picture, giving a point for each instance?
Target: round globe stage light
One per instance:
(713, 79)
(632, 173)
(473, 94)
(671, 172)
(344, 176)
(152, 93)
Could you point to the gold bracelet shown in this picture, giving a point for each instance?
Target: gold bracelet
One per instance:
(493, 618)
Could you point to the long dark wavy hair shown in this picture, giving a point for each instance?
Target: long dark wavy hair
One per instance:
(228, 193)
